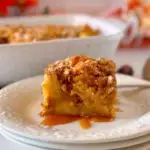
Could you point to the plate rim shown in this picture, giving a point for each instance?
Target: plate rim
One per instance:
(141, 132)
(144, 139)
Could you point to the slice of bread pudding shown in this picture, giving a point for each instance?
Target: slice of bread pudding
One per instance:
(80, 86)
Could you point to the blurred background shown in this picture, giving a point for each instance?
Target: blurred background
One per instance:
(122, 9)
(132, 56)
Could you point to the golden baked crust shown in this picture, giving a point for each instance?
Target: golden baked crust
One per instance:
(24, 33)
(80, 86)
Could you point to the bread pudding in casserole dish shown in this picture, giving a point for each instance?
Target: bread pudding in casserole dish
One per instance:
(33, 33)
(79, 87)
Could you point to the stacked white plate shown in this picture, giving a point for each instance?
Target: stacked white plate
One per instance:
(20, 120)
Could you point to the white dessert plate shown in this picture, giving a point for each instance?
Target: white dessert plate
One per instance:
(15, 145)
(61, 146)
(20, 107)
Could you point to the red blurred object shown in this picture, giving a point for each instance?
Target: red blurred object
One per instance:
(32, 2)
(132, 4)
(117, 12)
(3, 10)
(22, 4)
(27, 2)
(8, 2)
(4, 4)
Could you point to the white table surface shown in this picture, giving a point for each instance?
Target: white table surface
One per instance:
(136, 59)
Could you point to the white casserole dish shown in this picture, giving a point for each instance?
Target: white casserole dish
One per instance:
(19, 61)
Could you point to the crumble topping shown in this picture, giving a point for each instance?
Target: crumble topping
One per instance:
(80, 74)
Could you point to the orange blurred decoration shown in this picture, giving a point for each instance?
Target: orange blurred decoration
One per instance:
(133, 4)
(146, 8)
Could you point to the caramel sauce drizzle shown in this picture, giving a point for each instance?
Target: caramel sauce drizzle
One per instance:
(85, 122)
(53, 120)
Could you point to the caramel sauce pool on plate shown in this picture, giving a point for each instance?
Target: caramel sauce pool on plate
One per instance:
(85, 122)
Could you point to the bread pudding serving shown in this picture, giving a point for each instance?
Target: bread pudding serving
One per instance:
(79, 88)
